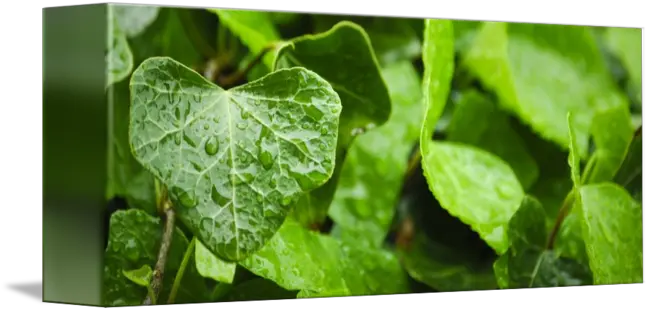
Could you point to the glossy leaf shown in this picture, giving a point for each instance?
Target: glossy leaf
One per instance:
(365, 97)
(119, 57)
(612, 230)
(318, 265)
(134, 241)
(626, 43)
(393, 39)
(254, 29)
(234, 161)
(612, 133)
(141, 276)
(134, 19)
(542, 72)
(376, 162)
(477, 121)
(210, 266)
(526, 263)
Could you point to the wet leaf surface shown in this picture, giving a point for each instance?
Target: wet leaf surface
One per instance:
(233, 162)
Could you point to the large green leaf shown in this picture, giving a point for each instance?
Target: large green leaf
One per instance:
(472, 184)
(626, 43)
(477, 121)
(254, 29)
(612, 229)
(210, 266)
(612, 133)
(344, 58)
(119, 59)
(526, 263)
(134, 19)
(629, 174)
(134, 241)
(235, 161)
(542, 72)
(318, 265)
(364, 202)
(393, 39)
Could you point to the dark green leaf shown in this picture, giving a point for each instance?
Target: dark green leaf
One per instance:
(612, 230)
(134, 19)
(393, 39)
(234, 161)
(526, 263)
(337, 56)
(134, 241)
(376, 162)
(477, 121)
(318, 265)
(541, 72)
(210, 266)
(141, 276)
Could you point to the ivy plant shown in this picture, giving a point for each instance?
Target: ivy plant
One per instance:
(269, 155)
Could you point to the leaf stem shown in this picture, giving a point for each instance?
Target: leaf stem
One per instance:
(180, 272)
(167, 236)
(230, 80)
(413, 163)
(151, 294)
(563, 212)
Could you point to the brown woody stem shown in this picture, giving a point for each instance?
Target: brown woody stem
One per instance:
(563, 212)
(158, 273)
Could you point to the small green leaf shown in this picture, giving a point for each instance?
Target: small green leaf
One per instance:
(318, 265)
(526, 263)
(119, 57)
(393, 39)
(141, 276)
(612, 133)
(338, 56)
(477, 121)
(234, 161)
(626, 44)
(542, 72)
(612, 230)
(134, 241)
(134, 19)
(210, 266)
(254, 29)
(376, 162)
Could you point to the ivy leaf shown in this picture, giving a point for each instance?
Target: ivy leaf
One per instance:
(119, 57)
(630, 171)
(612, 230)
(134, 241)
(376, 162)
(473, 185)
(254, 29)
(542, 72)
(337, 55)
(233, 162)
(626, 44)
(526, 263)
(210, 266)
(318, 265)
(476, 121)
(393, 39)
(134, 19)
(612, 134)
(141, 276)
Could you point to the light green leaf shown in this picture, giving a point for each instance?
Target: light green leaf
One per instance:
(234, 161)
(465, 32)
(119, 57)
(337, 56)
(134, 241)
(612, 230)
(477, 121)
(210, 266)
(626, 44)
(629, 174)
(541, 72)
(612, 133)
(376, 162)
(527, 263)
(141, 276)
(254, 29)
(134, 19)
(393, 39)
(318, 265)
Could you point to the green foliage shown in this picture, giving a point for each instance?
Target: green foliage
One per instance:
(309, 155)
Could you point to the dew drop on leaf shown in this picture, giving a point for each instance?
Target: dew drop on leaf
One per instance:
(217, 197)
(266, 159)
(211, 146)
(186, 198)
(286, 200)
(242, 125)
(178, 114)
(272, 183)
(206, 126)
(244, 115)
(178, 139)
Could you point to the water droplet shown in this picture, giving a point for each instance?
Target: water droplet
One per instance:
(244, 115)
(324, 130)
(266, 159)
(259, 198)
(286, 200)
(307, 126)
(206, 126)
(178, 113)
(272, 183)
(322, 146)
(178, 139)
(218, 197)
(242, 125)
(197, 166)
(189, 140)
(211, 147)
(186, 198)
(357, 131)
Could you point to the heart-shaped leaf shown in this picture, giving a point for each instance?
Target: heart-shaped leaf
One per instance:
(234, 161)
(141, 276)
